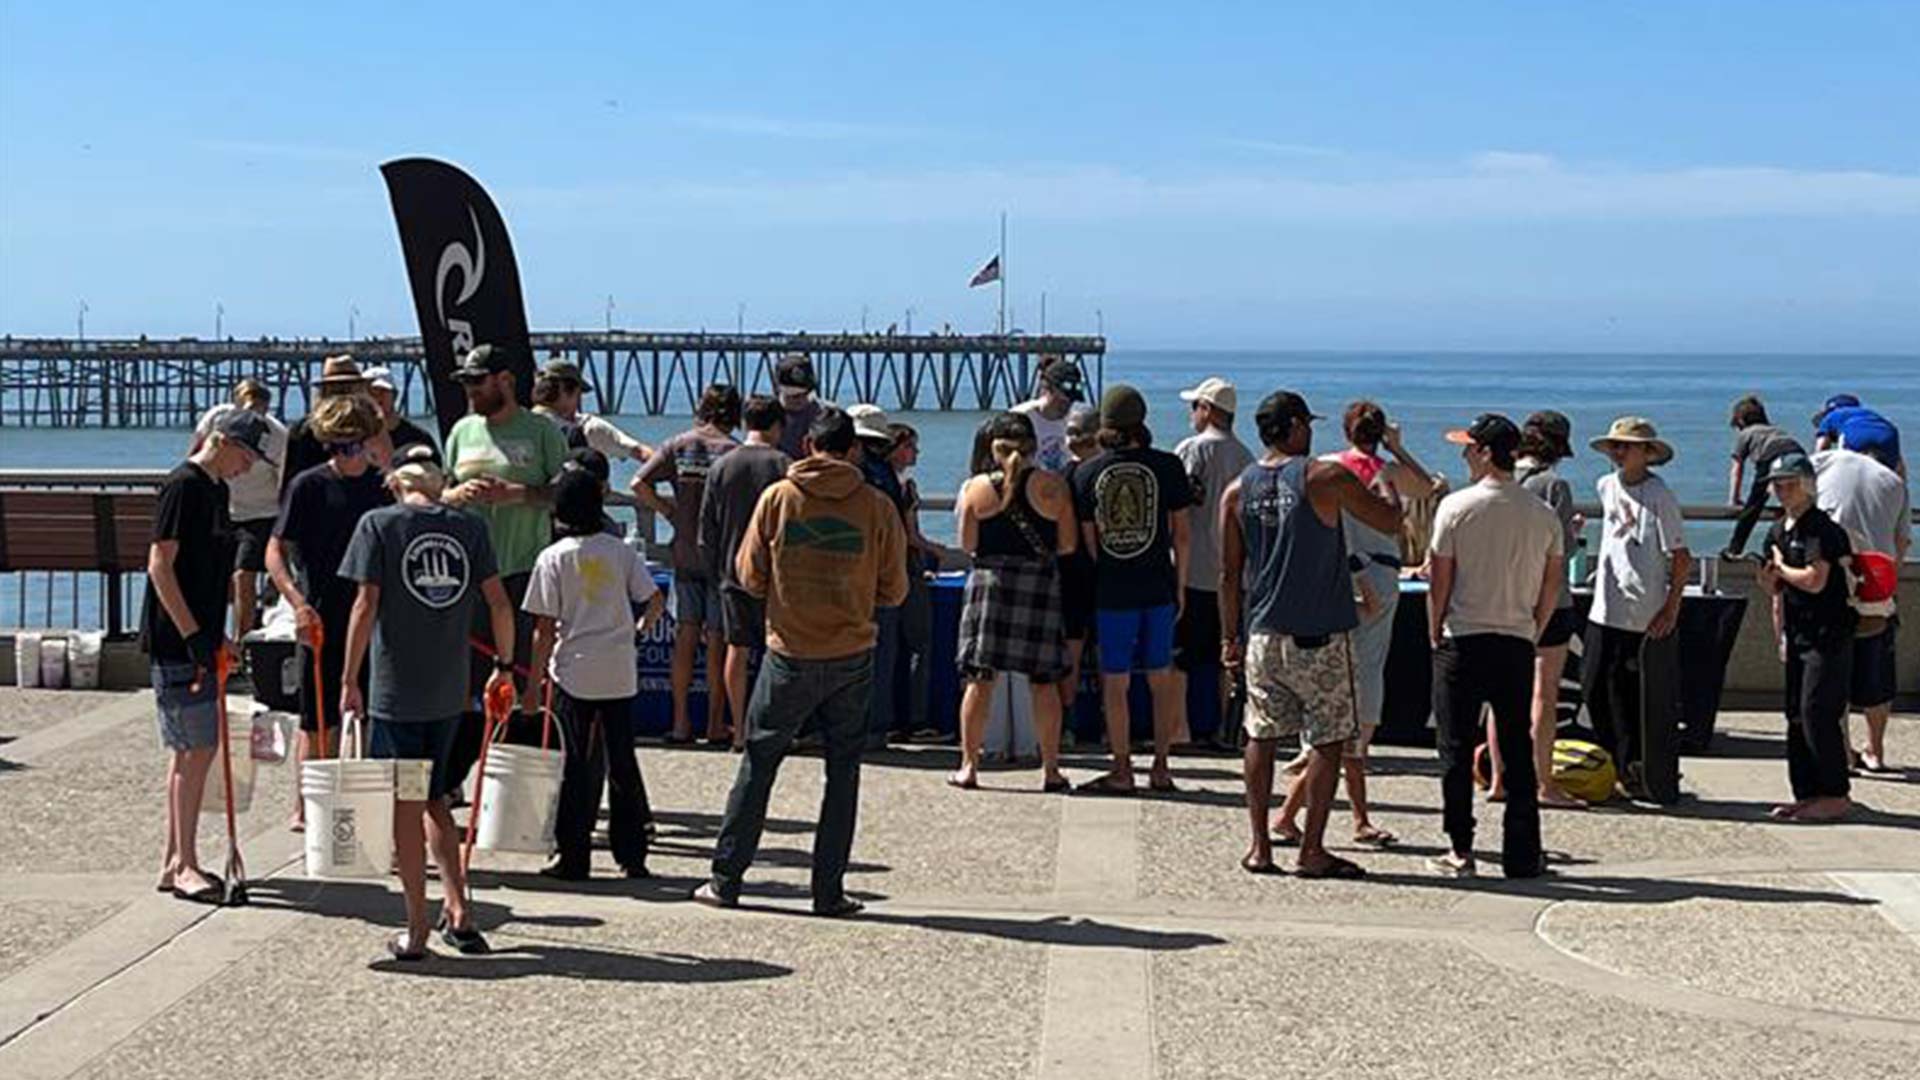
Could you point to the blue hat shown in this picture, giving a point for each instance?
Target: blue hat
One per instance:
(1837, 401)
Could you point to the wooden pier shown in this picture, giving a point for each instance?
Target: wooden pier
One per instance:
(142, 382)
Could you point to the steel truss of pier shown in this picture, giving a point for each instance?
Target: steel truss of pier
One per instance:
(142, 382)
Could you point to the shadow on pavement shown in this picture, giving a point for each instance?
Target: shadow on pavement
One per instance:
(1613, 889)
(543, 959)
(1050, 930)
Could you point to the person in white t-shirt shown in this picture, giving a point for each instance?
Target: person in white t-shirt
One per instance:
(1644, 563)
(1061, 384)
(557, 395)
(1871, 502)
(581, 594)
(1497, 570)
(253, 497)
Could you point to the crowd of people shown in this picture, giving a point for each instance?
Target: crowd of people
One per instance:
(425, 581)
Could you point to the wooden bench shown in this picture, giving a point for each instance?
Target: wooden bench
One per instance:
(78, 531)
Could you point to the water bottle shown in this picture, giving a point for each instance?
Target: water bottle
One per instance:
(1577, 572)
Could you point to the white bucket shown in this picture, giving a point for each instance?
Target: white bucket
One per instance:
(349, 807)
(1010, 728)
(26, 659)
(240, 750)
(519, 799)
(83, 659)
(53, 663)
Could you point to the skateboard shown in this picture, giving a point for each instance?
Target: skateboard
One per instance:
(1660, 718)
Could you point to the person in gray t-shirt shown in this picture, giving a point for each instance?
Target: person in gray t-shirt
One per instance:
(421, 566)
(732, 491)
(1756, 442)
(1213, 457)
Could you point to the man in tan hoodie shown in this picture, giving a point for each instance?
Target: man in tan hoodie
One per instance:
(823, 549)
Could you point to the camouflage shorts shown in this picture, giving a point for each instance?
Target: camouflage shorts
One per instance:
(1309, 692)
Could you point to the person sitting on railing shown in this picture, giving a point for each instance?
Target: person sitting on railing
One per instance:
(183, 626)
(1757, 442)
(557, 392)
(253, 497)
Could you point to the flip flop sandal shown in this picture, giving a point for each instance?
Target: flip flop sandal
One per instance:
(1260, 869)
(210, 893)
(397, 948)
(1163, 786)
(468, 942)
(971, 783)
(1336, 868)
(1378, 839)
(1281, 836)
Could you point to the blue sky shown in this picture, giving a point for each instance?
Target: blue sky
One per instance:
(1684, 176)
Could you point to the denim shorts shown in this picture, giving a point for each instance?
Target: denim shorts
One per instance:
(418, 740)
(187, 717)
(1133, 638)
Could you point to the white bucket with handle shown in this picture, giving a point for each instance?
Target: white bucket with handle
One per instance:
(519, 799)
(26, 659)
(349, 809)
(240, 752)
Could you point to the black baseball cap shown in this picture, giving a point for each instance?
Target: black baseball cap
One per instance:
(561, 369)
(246, 427)
(1283, 407)
(484, 360)
(1491, 430)
(1064, 375)
(795, 371)
(1555, 429)
(1789, 465)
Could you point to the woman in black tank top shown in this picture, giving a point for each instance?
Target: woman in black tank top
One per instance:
(1016, 521)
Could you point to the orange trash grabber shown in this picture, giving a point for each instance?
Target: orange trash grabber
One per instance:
(498, 711)
(317, 639)
(233, 888)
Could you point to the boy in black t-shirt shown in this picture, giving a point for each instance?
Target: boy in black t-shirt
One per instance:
(1132, 503)
(1813, 615)
(318, 513)
(183, 627)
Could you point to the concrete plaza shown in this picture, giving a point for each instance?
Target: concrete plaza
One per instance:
(1009, 934)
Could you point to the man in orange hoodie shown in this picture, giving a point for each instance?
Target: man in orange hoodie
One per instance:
(822, 549)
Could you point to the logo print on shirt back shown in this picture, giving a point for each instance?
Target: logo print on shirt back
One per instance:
(1126, 509)
(434, 570)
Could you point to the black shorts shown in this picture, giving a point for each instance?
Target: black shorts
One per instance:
(1873, 668)
(1076, 598)
(743, 617)
(250, 545)
(1196, 640)
(1560, 627)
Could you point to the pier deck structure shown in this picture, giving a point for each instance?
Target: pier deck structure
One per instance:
(151, 382)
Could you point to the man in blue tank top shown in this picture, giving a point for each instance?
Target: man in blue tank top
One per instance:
(1281, 542)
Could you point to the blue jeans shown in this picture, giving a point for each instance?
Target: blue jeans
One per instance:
(788, 693)
(883, 702)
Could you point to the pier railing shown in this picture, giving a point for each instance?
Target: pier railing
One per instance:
(143, 382)
(34, 597)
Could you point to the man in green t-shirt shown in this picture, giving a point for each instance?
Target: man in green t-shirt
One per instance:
(502, 459)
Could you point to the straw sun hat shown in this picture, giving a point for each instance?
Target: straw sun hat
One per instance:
(1636, 429)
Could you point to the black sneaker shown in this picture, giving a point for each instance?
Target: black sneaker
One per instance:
(560, 869)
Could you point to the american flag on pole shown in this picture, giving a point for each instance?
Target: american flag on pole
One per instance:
(987, 274)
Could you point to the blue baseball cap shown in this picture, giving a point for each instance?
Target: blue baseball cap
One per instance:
(1837, 401)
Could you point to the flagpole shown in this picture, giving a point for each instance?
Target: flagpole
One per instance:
(1003, 273)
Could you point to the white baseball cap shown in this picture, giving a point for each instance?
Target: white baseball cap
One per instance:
(380, 378)
(869, 421)
(1216, 392)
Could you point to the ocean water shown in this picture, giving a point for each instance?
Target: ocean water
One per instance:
(1686, 396)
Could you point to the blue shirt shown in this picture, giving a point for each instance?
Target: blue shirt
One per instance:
(1864, 431)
